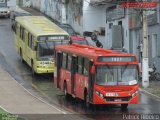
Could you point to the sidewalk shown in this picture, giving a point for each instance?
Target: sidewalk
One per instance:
(16, 100)
(153, 89)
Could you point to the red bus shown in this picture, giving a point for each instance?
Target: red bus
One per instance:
(96, 75)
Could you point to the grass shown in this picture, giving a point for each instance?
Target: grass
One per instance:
(7, 116)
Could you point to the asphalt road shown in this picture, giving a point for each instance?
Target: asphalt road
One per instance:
(42, 86)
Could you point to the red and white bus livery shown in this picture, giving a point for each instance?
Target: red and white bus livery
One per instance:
(96, 75)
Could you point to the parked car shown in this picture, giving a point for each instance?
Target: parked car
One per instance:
(16, 14)
(4, 12)
(75, 38)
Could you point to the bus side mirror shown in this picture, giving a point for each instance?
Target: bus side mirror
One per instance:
(93, 70)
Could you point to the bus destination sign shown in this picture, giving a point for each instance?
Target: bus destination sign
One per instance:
(116, 59)
(49, 38)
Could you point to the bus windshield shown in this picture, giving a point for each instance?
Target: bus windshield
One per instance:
(45, 50)
(116, 75)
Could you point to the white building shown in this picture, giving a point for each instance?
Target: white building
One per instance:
(88, 15)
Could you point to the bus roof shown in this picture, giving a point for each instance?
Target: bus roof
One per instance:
(40, 25)
(90, 51)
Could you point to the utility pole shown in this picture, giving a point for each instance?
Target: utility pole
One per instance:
(145, 77)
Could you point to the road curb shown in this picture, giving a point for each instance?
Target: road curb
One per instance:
(150, 94)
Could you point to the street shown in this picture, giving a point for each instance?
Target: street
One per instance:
(42, 86)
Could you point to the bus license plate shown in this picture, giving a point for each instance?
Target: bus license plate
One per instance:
(117, 100)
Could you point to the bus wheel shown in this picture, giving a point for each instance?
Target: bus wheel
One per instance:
(65, 90)
(124, 106)
(87, 104)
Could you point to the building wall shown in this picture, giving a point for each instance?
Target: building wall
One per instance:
(74, 14)
(94, 18)
(136, 36)
(125, 31)
(154, 46)
(51, 8)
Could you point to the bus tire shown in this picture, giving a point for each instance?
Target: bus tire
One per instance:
(87, 104)
(65, 90)
(124, 106)
(21, 56)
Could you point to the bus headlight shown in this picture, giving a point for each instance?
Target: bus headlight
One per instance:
(135, 93)
(100, 94)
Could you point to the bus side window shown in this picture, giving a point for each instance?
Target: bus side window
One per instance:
(86, 66)
(29, 39)
(64, 63)
(32, 42)
(22, 33)
(69, 62)
(80, 64)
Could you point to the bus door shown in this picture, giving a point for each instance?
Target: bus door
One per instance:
(73, 71)
(59, 65)
(90, 82)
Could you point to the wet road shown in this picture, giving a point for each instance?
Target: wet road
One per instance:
(42, 86)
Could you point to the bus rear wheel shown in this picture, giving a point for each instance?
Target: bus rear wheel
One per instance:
(124, 106)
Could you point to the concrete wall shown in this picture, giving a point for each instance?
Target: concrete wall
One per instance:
(51, 8)
(74, 14)
(94, 18)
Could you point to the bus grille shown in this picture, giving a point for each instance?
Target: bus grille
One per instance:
(115, 99)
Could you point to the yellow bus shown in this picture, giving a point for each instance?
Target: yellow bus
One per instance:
(36, 38)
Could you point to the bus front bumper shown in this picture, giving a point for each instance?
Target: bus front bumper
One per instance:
(116, 100)
(46, 70)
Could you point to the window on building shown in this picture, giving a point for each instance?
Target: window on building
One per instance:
(110, 25)
(120, 23)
